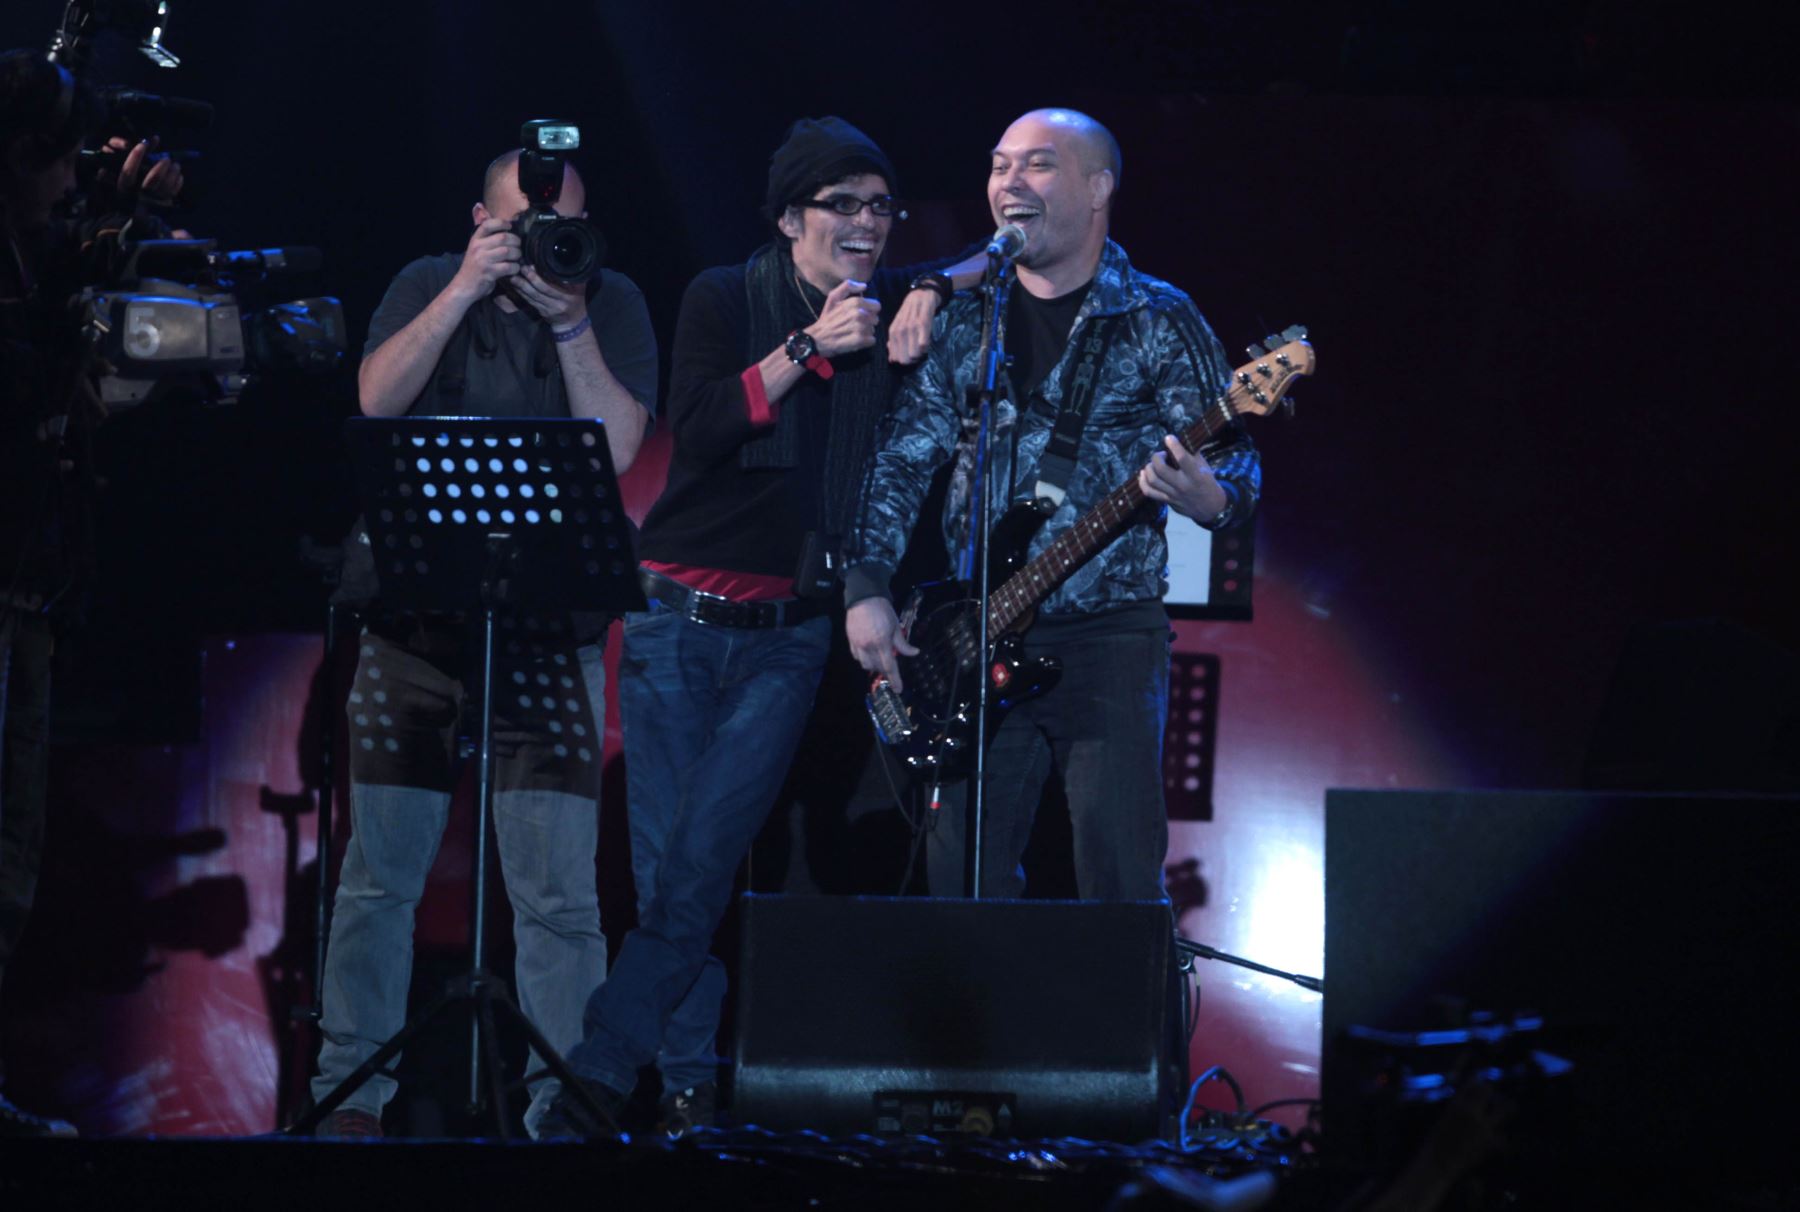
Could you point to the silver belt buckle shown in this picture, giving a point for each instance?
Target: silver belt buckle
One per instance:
(698, 596)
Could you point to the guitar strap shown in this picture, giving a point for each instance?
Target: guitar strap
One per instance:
(1057, 464)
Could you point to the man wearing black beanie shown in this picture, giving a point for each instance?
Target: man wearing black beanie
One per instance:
(781, 368)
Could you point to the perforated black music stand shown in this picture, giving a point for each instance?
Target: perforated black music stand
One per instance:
(475, 516)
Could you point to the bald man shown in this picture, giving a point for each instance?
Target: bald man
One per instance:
(479, 334)
(1055, 173)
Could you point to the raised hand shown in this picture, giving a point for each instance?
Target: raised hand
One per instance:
(847, 321)
(909, 336)
(493, 253)
(562, 305)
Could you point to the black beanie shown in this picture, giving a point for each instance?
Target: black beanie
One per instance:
(816, 152)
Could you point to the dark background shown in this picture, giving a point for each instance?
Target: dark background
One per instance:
(1545, 252)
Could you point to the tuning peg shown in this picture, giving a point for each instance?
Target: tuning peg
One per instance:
(1256, 351)
(1295, 333)
(1272, 341)
(1287, 406)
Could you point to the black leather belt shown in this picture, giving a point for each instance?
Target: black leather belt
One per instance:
(701, 607)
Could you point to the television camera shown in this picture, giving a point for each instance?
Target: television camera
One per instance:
(169, 310)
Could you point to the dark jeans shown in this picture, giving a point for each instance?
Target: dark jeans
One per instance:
(1101, 728)
(25, 645)
(711, 717)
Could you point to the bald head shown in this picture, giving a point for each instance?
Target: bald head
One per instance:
(1053, 176)
(501, 196)
(1090, 140)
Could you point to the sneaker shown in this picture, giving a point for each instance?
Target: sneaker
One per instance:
(679, 1112)
(349, 1123)
(569, 1118)
(16, 1122)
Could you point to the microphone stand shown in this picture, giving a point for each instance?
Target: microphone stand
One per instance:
(993, 357)
(1189, 947)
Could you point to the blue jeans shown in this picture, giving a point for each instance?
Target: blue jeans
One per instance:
(546, 839)
(1102, 729)
(711, 717)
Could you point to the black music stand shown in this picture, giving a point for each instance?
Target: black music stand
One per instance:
(476, 515)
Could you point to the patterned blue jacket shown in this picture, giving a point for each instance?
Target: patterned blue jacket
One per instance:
(1163, 366)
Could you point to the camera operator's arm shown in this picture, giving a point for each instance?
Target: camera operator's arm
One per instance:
(395, 373)
(594, 390)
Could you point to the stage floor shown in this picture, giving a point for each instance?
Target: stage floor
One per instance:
(745, 1169)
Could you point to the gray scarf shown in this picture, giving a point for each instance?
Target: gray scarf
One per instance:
(858, 392)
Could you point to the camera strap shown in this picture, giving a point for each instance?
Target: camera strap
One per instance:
(452, 378)
(480, 333)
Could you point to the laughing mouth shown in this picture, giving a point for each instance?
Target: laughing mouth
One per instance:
(1014, 212)
(860, 248)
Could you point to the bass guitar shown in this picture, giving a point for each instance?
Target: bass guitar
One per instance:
(930, 724)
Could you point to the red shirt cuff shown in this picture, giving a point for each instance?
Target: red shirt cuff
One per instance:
(762, 411)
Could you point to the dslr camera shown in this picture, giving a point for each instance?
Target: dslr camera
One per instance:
(560, 248)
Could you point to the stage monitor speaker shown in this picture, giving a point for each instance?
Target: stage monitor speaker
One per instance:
(1654, 934)
(1021, 1019)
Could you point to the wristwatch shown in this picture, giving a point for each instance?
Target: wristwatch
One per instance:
(1223, 518)
(801, 348)
(803, 351)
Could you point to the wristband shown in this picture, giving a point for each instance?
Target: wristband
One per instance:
(938, 283)
(569, 334)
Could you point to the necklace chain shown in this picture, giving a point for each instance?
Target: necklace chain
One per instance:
(802, 292)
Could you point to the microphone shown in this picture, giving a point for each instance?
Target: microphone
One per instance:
(1007, 243)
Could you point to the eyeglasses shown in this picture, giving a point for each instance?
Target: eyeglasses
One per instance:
(885, 206)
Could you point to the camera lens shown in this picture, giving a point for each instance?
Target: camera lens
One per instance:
(565, 250)
(569, 251)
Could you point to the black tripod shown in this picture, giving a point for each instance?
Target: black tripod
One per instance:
(481, 515)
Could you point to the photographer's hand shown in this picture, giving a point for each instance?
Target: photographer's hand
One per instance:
(493, 254)
(563, 306)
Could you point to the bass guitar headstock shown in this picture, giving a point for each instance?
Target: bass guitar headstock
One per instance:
(1260, 386)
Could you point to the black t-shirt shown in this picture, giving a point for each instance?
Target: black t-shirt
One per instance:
(1037, 334)
(502, 381)
(1037, 330)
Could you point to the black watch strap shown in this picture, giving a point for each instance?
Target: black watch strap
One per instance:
(934, 281)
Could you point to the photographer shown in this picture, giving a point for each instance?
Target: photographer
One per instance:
(48, 410)
(479, 333)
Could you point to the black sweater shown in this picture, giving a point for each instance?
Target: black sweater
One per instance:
(712, 512)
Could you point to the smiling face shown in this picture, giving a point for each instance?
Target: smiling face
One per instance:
(829, 247)
(1048, 176)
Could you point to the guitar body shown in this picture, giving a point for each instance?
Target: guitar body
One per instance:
(931, 726)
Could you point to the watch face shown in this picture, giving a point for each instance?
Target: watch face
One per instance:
(800, 346)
